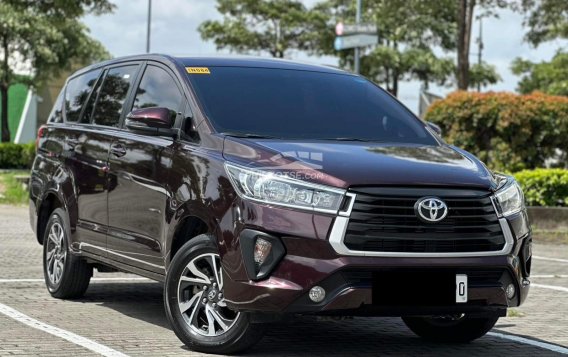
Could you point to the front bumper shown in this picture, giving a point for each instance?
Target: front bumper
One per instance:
(311, 261)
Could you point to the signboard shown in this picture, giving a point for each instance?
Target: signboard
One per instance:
(342, 29)
(352, 41)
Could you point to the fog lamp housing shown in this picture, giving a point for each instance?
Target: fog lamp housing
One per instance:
(261, 253)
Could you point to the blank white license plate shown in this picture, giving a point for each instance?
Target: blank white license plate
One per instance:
(461, 288)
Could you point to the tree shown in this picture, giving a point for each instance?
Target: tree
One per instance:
(275, 26)
(546, 20)
(483, 75)
(48, 36)
(408, 29)
(464, 21)
(548, 77)
(464, 17)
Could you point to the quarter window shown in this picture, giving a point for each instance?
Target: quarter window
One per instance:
(158, 89)
(56, 115)
(112, 95)
(77, 92)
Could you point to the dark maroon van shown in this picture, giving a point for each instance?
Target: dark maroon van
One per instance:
(259, 189)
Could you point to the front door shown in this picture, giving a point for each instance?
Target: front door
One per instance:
(139, 167)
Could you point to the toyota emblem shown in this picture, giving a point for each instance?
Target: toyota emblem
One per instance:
(431, 209)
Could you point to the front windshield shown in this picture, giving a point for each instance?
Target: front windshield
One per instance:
(296, 104)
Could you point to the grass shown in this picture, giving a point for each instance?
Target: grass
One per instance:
(11, 191)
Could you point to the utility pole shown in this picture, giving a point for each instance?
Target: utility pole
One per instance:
(148, 29)
(479, 49)
(357, 49)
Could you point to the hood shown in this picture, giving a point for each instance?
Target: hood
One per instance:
(346, 164)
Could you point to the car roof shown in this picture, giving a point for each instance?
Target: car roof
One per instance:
(220, 61)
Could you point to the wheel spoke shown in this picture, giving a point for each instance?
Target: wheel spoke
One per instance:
(194, 280)
(195, 271)
(53, 237)
(194, 314)
(224, 323)
(186, 305)
(210, 321)
(50, 255)
(217, 272)
(61, 235)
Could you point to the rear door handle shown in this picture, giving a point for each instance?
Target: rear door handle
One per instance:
(118, 150)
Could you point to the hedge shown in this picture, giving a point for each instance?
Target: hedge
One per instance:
(16, 156)
(509, 132)
(544, 187)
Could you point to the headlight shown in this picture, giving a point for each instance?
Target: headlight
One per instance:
(266, 187)
(509, 198)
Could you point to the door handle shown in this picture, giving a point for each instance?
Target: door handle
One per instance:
(118, 150)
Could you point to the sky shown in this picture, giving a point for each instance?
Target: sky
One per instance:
(175, 22)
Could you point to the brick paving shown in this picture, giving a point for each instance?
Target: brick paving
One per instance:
(129, 316)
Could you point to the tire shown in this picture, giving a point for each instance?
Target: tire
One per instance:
(461, 330)
(66, 276)
(193, 326)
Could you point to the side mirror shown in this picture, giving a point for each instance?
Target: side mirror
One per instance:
(435, 127)
(151, 121)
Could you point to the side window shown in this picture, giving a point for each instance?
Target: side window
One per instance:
(77, 92)
(112, 95)
(158, 89)
(88, 112)
(56, 115)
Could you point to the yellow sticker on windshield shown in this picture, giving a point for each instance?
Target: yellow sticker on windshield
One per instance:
(197, 70)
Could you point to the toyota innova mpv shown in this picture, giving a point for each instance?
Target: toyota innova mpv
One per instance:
(261, 189)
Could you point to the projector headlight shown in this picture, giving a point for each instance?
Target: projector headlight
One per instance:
(509, 198)
(269, 188)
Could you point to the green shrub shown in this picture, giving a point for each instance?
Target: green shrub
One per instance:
(16, 156)
(509, 132)
(544, 187)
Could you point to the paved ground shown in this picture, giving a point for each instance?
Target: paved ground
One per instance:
(127, 317)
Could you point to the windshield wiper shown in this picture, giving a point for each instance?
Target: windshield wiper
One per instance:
(248, 135)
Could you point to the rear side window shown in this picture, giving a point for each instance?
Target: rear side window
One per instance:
(56, 115)
(112, 95)
(158, 89)
(77, 92)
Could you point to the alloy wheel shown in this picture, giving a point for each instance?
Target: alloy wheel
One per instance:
(56, 253)
(200, 297)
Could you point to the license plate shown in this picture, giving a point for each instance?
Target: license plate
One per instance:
(461, 288)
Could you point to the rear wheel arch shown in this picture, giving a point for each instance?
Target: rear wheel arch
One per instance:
(49, 204)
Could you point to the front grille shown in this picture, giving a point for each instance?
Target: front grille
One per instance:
(384, 220)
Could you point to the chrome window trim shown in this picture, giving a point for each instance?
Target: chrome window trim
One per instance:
(337, 235)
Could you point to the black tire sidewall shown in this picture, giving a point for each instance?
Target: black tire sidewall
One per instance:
(218, 344)
(58, 216)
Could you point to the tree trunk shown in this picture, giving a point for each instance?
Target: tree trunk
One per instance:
(4, 85)
(395, 76)
(465, 18)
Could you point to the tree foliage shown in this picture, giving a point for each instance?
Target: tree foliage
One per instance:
(47, 35)
(483, 75)
(548, 77)
(274, 26)
(546, 20)
(407, 29)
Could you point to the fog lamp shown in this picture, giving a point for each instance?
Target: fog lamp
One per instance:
(317, 294)
(510, 291)
(262, 249)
